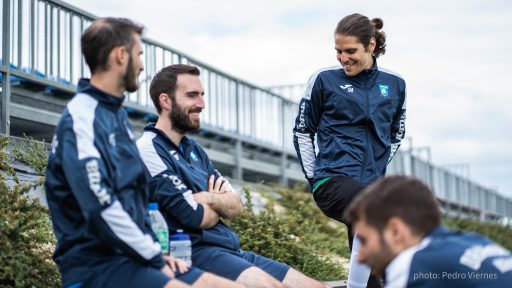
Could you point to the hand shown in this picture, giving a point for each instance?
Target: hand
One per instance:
(220, 186)
(167, 270)
(174, 264)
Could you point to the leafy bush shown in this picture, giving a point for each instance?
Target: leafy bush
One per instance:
(32, 153)
(498, 233)
(300, 237)
(26, 236)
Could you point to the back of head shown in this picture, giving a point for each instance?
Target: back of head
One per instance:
(363, 29)
(165, 81)
(397, 196)
(102, 36)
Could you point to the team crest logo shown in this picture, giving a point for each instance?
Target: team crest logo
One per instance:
(193, 156)
(384, 90)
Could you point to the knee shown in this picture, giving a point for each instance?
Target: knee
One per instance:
(255, 277)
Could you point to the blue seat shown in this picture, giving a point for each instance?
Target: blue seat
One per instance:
(150, 117)
(29, 84)
(55, 90)
(134, 113)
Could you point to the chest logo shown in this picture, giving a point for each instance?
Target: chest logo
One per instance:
(175, 155)
(384, 90)
(193, 156)
(347, 87)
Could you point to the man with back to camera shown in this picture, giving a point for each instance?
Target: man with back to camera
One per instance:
(191, 193)
(96, 180)
(398, 222)
(357, 113)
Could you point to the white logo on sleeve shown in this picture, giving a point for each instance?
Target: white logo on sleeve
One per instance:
(94, 175)
(55, 144)
(475, 255)
(302, 120)
(503, 264)
(112, 139)
(187, 193)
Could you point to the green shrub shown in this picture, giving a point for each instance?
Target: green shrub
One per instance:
(32, 153)
(301, 236)
(498, 233)
(294, 237)
(26, 236)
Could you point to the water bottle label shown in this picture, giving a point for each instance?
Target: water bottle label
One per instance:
(163, 238)
(181, 250)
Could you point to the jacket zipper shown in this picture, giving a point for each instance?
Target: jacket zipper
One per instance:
(365, 158)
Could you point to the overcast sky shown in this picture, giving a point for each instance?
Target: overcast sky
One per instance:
(454, 56)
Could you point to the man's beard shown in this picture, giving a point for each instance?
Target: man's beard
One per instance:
(380, 261)
(180, 119)
(130, 77)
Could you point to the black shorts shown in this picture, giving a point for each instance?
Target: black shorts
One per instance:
(334, 196)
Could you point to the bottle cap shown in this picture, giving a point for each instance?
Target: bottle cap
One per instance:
(179, 235)
(153, 206)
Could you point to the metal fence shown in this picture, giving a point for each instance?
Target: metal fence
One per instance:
(44, 41)
(41, 44)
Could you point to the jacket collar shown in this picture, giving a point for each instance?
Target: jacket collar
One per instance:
(368, 72)
(185, 141)
(85, 86)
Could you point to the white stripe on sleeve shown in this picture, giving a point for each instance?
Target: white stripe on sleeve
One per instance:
(125, 229)
(307, 153)
(82, 110)
(149, 155)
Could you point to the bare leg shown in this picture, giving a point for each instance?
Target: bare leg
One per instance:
(174, 283)
(254, 277)
(295, 279)
(209, 280)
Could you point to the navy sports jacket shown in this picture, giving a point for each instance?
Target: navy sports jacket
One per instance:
(96, 188)
(451, 259)
(177, 173)
(358, 122)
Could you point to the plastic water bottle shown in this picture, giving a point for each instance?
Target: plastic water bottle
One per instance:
(159, 227)
(181, 247)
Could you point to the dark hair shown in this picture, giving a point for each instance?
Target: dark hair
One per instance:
(165, 81)
(105, 34)
(363, 29)
(396, 196)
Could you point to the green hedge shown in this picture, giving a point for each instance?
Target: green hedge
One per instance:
(498, 233)
(26, 236)
(300, 235)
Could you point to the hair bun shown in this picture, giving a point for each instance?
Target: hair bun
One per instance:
(378, 23)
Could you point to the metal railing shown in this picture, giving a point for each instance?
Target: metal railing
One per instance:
(41, 44)
(44, 40)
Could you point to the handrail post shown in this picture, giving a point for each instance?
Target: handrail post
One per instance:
(6, 75)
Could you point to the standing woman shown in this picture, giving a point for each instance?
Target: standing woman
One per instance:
(357, 113)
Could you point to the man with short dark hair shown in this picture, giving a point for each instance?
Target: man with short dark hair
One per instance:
(96, 181)
(191, 193)
(398, 222)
